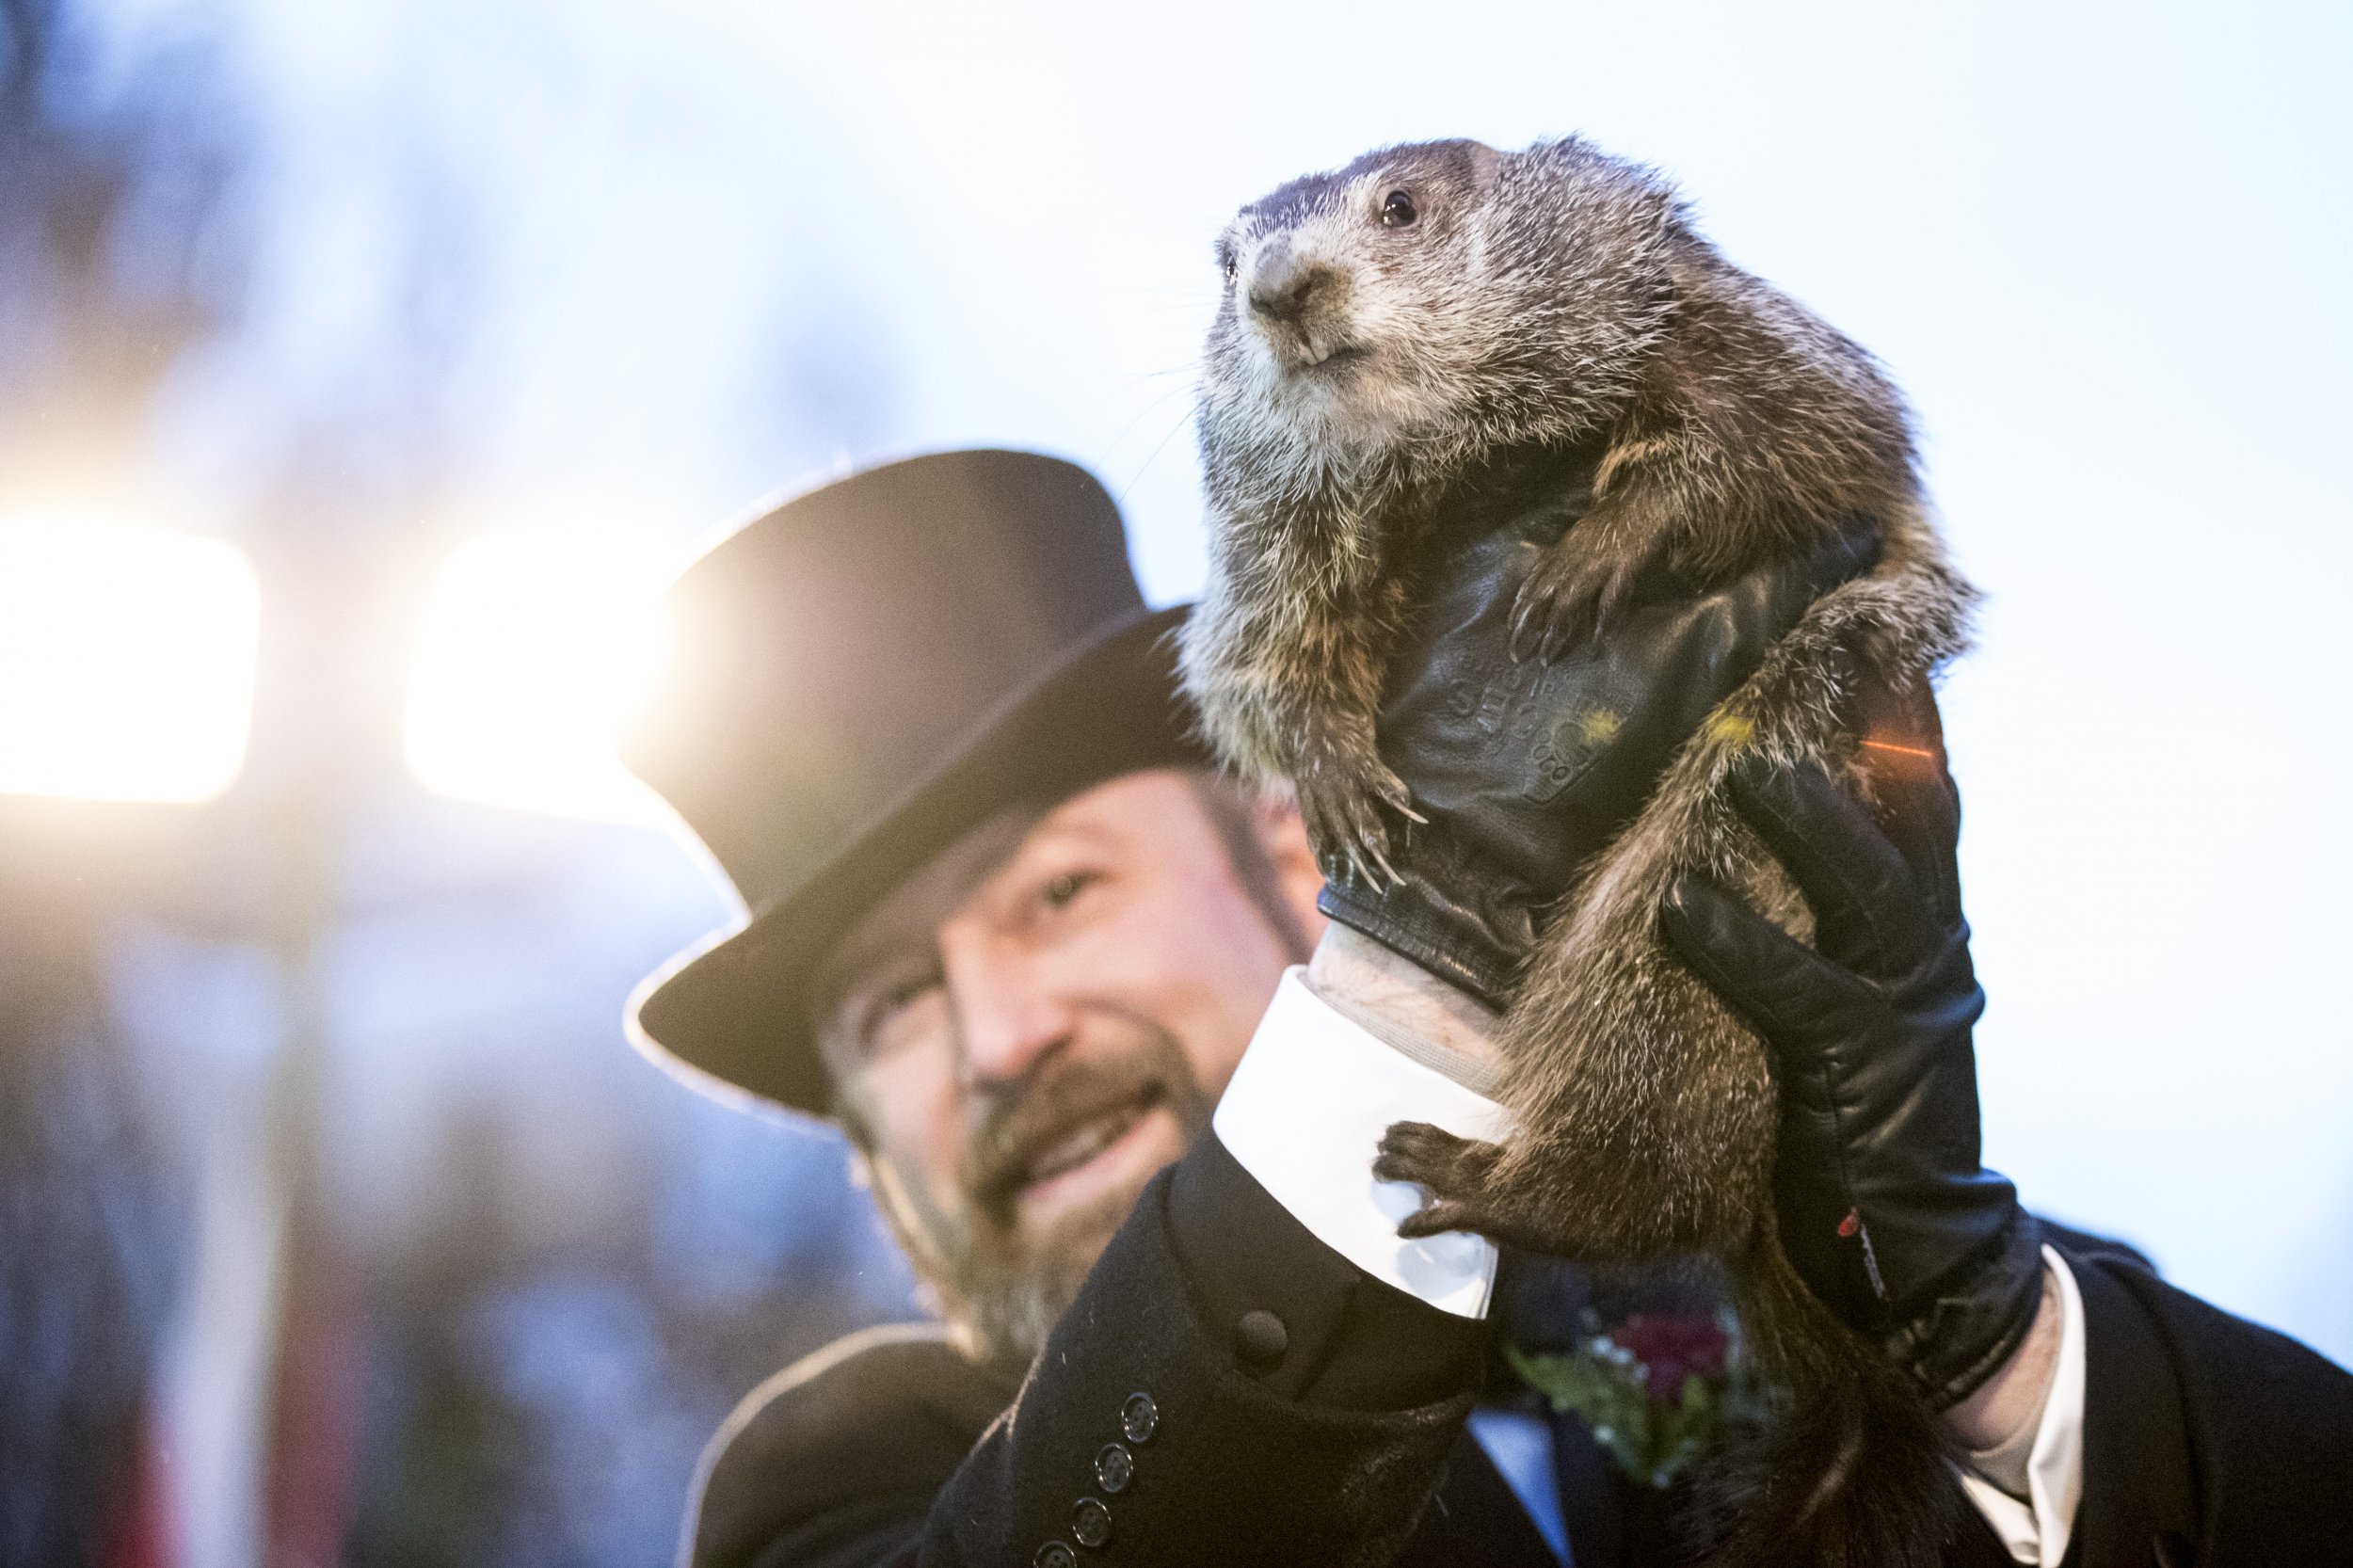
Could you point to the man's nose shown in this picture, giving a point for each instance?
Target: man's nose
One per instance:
(1006, 1019)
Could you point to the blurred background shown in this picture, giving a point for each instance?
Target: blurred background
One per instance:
(366, 367)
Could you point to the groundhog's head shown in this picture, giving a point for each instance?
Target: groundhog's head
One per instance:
(1435, 300)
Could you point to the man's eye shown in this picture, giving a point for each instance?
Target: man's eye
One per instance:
(1062, 889)
(904, 994)
(891, 1003)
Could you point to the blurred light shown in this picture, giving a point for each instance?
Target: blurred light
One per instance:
(126, 662)
(536, 645)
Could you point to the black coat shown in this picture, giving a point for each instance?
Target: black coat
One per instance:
(2207, 1440)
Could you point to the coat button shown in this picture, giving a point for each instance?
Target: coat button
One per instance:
(1055, 1555)
(1260, 1341)
(1091, 1522)
(1114, 1467)
(1139, 1418)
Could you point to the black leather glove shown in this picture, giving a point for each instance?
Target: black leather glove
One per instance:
(1523, 770)
(1883, 1207)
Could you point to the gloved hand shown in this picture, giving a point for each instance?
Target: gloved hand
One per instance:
(1883, 1207)
(1525, 769)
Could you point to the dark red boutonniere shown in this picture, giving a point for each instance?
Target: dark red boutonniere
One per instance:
(1656, 1391)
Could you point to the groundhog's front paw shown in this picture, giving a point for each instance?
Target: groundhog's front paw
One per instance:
(1569, 598)
(1341, 794)
(1455, 1170)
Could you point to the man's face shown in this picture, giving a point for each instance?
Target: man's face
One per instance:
(1028, 1029)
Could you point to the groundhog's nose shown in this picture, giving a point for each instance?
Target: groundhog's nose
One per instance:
(1285, 287)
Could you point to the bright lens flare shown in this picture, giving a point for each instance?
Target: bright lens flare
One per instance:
(126, 662)
(536, 644)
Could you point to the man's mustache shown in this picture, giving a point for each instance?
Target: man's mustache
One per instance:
(1023, 1121)
(1127, 1072)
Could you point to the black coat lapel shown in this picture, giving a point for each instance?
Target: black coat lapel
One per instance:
(1474, 1521)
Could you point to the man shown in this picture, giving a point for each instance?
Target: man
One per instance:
(1011, 931)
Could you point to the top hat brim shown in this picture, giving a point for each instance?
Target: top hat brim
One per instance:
(733, 1016)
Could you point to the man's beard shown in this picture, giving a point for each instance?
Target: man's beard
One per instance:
(1003, 1285)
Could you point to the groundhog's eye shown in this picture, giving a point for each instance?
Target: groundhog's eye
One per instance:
(1225, 262)
(1396, 209)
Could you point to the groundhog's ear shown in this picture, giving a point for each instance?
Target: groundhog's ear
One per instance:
(1484, 162)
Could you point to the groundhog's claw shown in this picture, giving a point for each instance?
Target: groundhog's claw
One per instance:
(1454, 1170)
(1393, 793)
(1340, 795)
(1346, 829)
(1570, 599)
(1449, 1166)
(1440, 1216)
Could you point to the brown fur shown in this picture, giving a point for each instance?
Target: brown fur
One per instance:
(1558, 319)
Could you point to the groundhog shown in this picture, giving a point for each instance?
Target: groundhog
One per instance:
(1404, 345)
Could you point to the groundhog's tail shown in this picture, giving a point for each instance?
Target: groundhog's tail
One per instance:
(1852, 1471)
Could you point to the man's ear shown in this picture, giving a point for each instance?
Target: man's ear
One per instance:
(1283, 837)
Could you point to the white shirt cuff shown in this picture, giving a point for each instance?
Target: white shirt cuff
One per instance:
(1305, 1114)
(2038, 1529)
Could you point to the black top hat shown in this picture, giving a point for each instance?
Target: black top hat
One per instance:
(855, 680)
